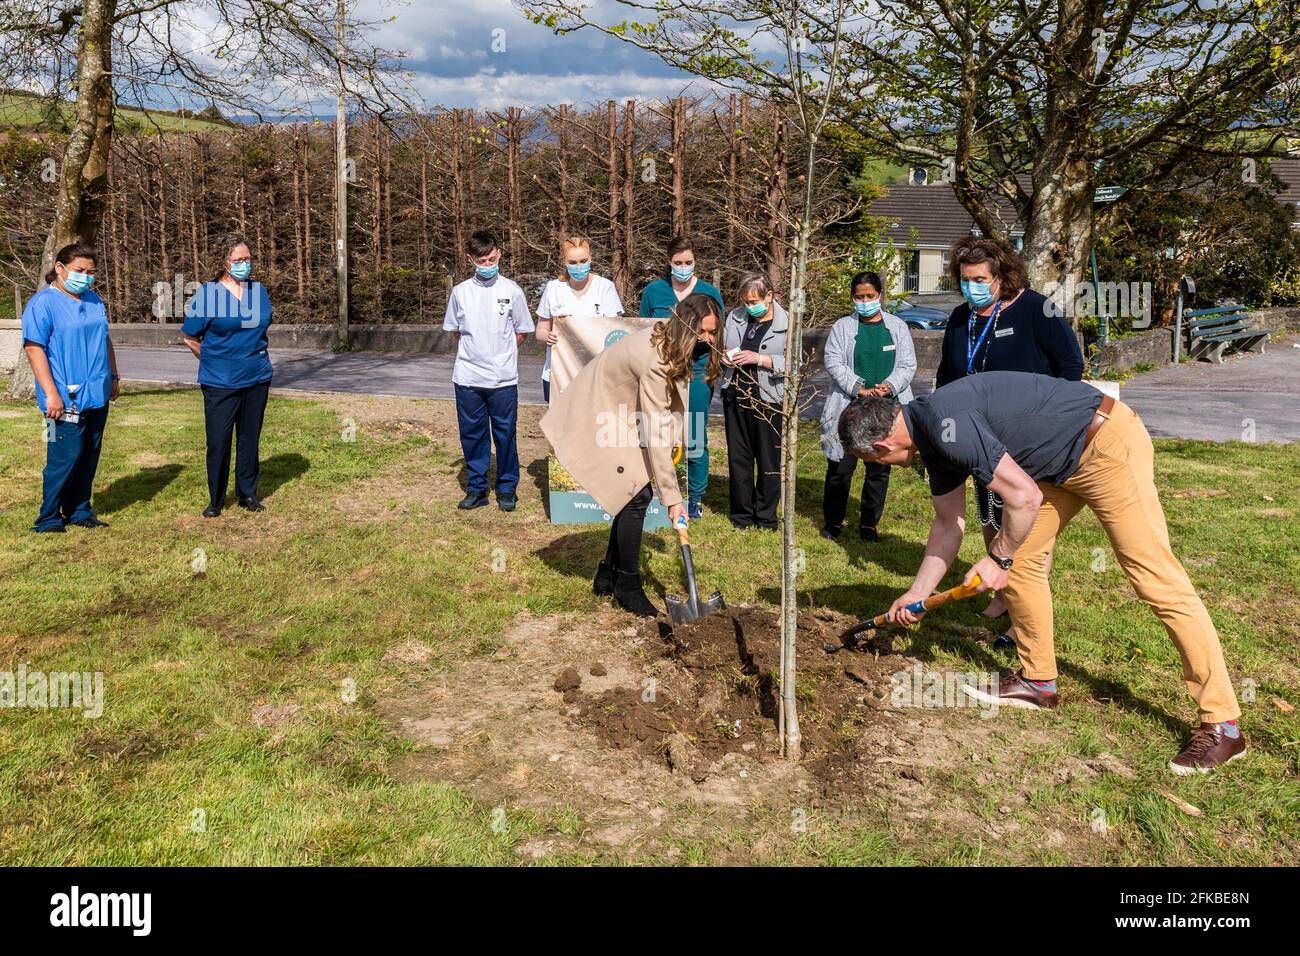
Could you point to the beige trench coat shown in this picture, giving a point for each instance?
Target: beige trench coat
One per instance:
(615, 425)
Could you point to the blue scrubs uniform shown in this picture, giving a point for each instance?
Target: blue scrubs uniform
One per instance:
(235, 375)
(657, 301)
(74, 335)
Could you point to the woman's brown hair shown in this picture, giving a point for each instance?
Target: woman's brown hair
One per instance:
(675, 337)
(1004, 265)
(69, 253)
(221, 253)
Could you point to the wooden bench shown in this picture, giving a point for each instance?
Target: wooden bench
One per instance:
(1227, 328)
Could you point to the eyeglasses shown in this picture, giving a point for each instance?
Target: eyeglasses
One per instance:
(246, 259)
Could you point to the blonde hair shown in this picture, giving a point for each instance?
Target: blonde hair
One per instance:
(572, 242)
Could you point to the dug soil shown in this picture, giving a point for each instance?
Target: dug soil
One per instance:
(710, 690)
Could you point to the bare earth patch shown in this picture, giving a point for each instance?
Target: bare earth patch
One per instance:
(655, 737)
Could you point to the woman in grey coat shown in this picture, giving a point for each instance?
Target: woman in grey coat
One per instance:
(753, 392)
(867, 353)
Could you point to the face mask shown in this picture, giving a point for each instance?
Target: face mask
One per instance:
(866, 309)
(683, 273)
(78, 282)
(487, 272)
(241, 270)
(701, 350)
(756, 309)
(578, 273)
(977, 294)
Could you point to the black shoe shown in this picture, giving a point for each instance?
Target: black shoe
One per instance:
(475, 499)
(603, 583)
(831, 534)
(212, 511)
(740, 527)
(91, 522)
(251, 504)
(630, 595)
(868, 534)
(507, 502)
(1004, 642)
(59, 529)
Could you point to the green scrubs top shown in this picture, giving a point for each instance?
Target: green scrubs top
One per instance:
(873, 353)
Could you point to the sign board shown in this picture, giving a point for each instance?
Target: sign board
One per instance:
(1108, 193)
(581, 339)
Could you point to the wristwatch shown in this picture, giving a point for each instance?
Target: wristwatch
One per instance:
(1003, 563)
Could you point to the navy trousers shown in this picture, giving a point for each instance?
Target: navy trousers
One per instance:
(238, 412)
(70, 463)
(487, 417)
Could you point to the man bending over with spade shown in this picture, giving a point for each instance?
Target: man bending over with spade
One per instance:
(1048, 447)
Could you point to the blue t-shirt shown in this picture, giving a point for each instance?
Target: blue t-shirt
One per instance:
(74, 334)
(233, 334)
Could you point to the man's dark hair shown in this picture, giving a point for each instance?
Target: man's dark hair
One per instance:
(481, 243)
(867, 419)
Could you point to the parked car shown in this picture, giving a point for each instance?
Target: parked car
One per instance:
(924, 317)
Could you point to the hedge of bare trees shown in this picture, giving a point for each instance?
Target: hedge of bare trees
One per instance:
(627, 175)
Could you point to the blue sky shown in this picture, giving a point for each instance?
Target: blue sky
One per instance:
(449, 47)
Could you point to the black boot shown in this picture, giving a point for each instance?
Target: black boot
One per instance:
(604, 581)
(630, 595)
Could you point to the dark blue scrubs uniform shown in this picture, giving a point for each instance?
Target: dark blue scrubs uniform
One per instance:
(235, 375)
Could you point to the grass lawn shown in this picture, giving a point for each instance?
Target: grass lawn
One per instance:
(245, 671)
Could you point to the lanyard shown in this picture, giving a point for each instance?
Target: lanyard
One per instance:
(973, 350)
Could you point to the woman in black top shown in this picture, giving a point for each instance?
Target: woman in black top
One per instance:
(1003, 326)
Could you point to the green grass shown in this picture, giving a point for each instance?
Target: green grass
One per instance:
(24, 110)
(296, 602)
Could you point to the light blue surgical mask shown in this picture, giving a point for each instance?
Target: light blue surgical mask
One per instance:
(580, 272)
(978, 294)
(756, 309)
(866, 309)
(241, 270)
(78, 282)
(683, 273)
(487, 272)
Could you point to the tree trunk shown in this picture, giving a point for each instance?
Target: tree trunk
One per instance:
(777, 207)
(629, 180)
(678, 159)
(563, 135)
(83, 179)
(611, 172)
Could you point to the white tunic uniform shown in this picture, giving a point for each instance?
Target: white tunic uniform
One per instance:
(487, 315)
(601, 298)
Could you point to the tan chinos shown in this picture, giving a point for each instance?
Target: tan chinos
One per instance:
(1116, 479)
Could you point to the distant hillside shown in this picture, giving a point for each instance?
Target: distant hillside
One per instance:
(28, 111)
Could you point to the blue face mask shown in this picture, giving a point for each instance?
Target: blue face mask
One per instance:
(977, 294)
(487, 272)
(683, 273)
(78, 282)
(578, 273)
(756, 309)
(866, 309)
(241, 270)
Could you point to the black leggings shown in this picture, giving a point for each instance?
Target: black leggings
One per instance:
(835, 494)
(624, 551)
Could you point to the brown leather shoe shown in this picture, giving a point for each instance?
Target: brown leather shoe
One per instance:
(1015, 691)
(1208, 748)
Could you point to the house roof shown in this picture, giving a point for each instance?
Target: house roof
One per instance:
(935, 213)
(940, 219)
(1288, 170)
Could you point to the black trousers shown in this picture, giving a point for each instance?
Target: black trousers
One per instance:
(237, 411)
(753, 458)
(835, 495)
(624, 551)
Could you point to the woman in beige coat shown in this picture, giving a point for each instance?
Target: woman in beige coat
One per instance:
(614, 428)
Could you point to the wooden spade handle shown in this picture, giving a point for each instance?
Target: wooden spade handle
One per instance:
(959, 593)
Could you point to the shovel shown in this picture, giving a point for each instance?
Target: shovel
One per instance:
(683, 612)
(849, 638)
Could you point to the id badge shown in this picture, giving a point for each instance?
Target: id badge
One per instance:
(71, 418)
